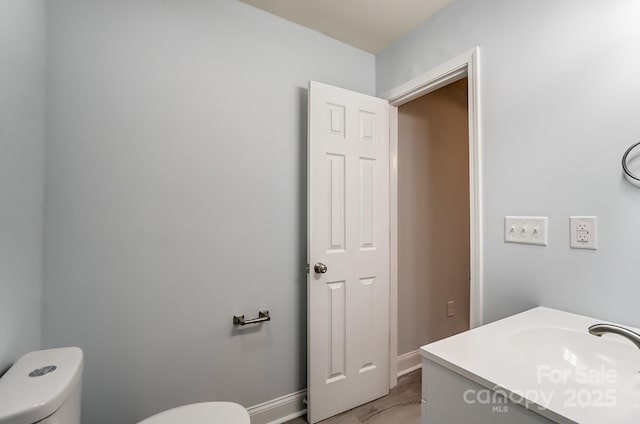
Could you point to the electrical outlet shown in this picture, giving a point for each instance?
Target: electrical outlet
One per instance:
(583, 232)
(526, 230)
(450, 305)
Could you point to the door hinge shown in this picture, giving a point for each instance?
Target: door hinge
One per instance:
(308, 269)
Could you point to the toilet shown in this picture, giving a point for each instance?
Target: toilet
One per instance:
(44, 387)
(201, 413)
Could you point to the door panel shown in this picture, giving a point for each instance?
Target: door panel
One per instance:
(348, 231)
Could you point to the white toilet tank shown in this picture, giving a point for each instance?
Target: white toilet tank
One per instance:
(43, 387)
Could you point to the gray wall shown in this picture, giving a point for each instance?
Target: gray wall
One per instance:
(560, 103)
(175, 198)
(22, 28)
(433, 216)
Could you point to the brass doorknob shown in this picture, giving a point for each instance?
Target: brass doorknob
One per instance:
(320, 268)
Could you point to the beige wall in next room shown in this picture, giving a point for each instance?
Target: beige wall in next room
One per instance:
(433, 216)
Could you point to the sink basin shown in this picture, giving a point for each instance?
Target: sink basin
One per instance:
(607, 361)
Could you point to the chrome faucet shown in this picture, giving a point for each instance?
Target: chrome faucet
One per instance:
(600, 329)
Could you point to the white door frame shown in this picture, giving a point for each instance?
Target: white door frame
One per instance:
(465, 65)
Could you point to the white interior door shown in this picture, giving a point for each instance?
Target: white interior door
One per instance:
(348, 232)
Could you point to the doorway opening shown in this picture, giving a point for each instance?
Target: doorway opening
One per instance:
(433, 220)
(437, 267)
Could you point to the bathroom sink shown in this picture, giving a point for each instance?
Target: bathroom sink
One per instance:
(547, 360)
(582, 357)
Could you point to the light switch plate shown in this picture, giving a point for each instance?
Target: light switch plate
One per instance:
(583, 232)
(526, 230)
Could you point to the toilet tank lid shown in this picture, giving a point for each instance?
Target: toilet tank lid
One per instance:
(33, 389)
(200, 413)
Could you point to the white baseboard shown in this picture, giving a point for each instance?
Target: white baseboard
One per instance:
(409, 362)
(288, 407)
(279, 410)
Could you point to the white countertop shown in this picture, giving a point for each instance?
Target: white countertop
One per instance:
(548, 357)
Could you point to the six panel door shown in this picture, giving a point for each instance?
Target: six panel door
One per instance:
(348, 232)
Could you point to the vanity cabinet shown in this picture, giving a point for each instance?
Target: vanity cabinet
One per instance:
(448, 397)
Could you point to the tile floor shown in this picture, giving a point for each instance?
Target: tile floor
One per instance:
(400, 406)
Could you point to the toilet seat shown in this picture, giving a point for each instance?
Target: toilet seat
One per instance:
(202, 413)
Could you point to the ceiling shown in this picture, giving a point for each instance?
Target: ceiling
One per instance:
(370, 25)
